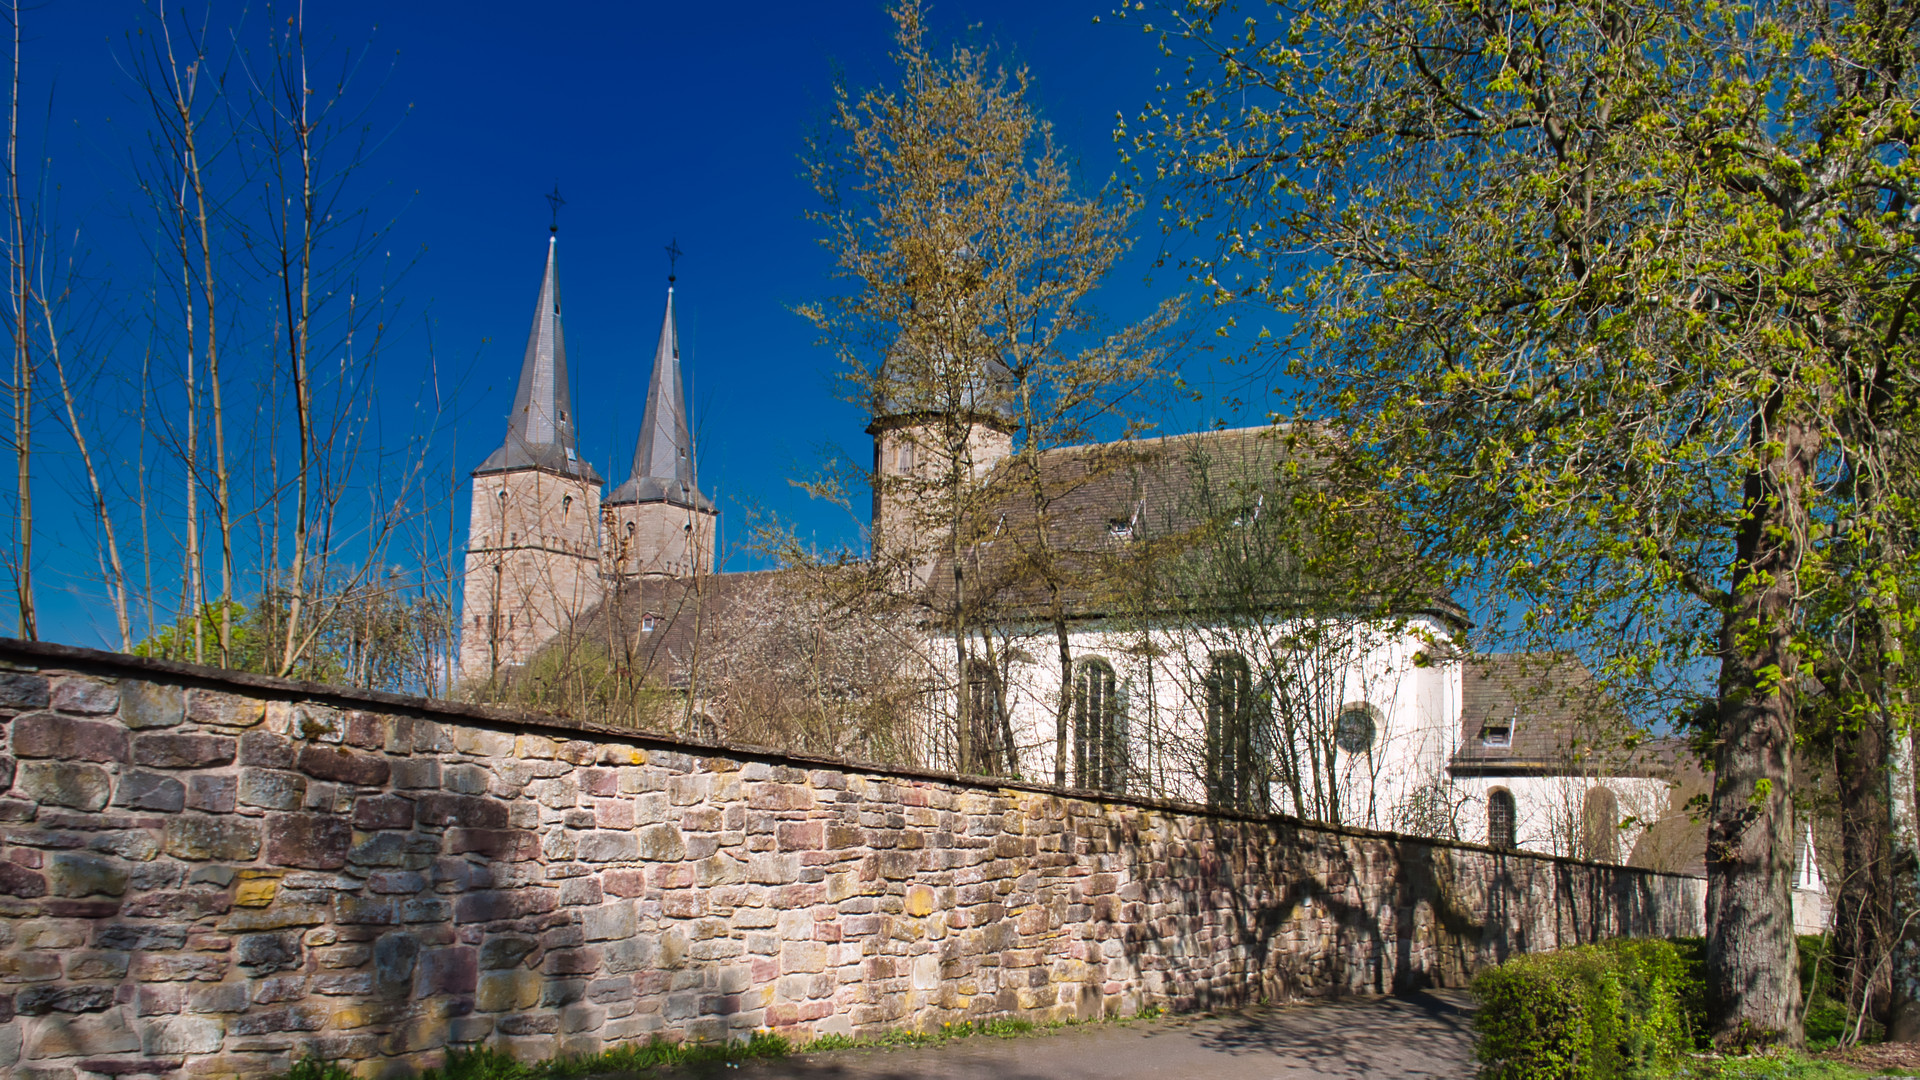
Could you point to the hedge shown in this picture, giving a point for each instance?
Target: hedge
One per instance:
(1589, 1013)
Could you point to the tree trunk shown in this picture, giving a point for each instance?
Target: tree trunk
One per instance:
(1902, 925)
(1861, 904)
(1752, 977)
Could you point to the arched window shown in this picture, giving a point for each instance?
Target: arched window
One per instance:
(1231, 766)
(1600, 825)
(989, 743)
(1502, 820)
(1099, 732)
(1355, 729)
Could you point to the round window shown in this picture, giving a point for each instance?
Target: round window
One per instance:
(1354, 731)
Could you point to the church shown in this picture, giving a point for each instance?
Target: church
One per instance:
(1373, 720)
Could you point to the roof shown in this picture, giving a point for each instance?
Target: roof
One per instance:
(1544, 714)
(1107, 505)
(540, 430)
(663, 455)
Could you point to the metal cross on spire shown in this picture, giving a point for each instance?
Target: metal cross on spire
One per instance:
(556, 202)
(673, 257)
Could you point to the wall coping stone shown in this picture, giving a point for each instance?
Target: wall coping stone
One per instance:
(521, 721)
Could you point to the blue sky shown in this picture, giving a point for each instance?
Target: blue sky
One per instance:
(658, 122)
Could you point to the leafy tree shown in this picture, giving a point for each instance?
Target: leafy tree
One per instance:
(969, 258)
(1615, 297)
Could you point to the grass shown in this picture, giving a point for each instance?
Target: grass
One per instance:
(1782, 1065)
(486, 1063)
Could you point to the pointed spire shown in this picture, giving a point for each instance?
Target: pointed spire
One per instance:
(540, 432)
(663, 459)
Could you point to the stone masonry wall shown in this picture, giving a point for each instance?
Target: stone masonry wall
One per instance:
(204, 875)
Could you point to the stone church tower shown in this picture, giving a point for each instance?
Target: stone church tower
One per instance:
(533, 544)
(657, 521)
(542, 549)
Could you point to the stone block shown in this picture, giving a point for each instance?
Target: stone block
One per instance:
(470, 811)
(307, 1016)
(448, 972)
(224, 998)
(85, 697)
(383, 812)
(62, 783)
(142, 790)
(506, 951)
(97, 965)
(182, 1035)
(263, 954)
(216, 709)
(352, 910)
(266, 750)
(59, 1036)
(366, 730)
(507, 991)
(309, 841)
(342, 766)
(72, 873)
(188, 751)
(193, 837)
(662, 843)
(609, 922)
(489, 905)
(394, 958)
(139, 937)
(503, 845)
(146, 705)
(44, 998)
(602, 845)
(213, 794)
(45, 735)
(272, 790)
(20, 690)
(17, 880)
(415, 773)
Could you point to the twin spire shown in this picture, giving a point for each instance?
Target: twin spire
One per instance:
(540, 433)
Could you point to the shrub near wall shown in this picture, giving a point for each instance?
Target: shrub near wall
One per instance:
(1589, 1013)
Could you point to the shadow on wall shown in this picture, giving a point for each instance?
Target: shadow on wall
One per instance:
(211, 874)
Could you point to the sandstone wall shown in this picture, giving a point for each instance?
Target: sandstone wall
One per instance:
(203, 875)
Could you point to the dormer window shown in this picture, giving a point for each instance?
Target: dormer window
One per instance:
(1120, 530)
(646, 623)
(1497, 731)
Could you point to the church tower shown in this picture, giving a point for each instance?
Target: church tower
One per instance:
(657, 521)
(926, 426)
(533, 538)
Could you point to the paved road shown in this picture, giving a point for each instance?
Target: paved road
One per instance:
(1425, 1037)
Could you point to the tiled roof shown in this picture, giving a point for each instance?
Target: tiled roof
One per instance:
(1106, 506)
(1545, 714)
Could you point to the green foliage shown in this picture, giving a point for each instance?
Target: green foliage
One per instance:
(488, 1063)
(1590, 1013)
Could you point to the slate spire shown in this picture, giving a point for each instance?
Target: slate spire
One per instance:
(663, 458)
(540, 431)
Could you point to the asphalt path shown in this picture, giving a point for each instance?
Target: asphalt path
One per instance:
(1421, 1037)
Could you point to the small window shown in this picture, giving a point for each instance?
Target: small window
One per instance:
(1355, 730)
(1497, 731)
(1099, 733)
(566, 501)
(1233, 774)
(1120, 530)
(646, 623)
(989, 744)
(1502, 820)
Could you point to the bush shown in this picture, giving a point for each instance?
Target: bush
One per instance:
(1589, 1013)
